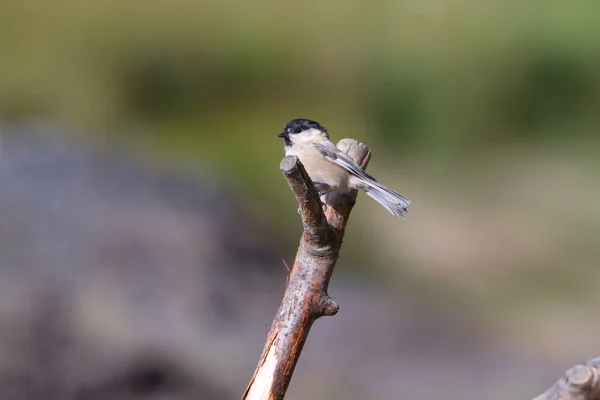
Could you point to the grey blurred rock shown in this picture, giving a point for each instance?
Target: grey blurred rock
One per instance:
(117, 283)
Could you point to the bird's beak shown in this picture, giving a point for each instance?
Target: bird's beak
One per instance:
(283, 134)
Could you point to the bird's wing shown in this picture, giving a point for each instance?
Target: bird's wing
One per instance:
(330, 152)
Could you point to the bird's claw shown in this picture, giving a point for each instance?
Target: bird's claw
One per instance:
(324, 202)
(318, 196)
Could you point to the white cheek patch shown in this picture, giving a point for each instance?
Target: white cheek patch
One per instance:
(309, 136)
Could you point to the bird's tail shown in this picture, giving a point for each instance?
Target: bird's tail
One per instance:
(392, 201)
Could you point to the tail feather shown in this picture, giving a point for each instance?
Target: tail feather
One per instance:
(394, 202)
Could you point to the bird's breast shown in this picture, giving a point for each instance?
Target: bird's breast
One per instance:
(320, 169)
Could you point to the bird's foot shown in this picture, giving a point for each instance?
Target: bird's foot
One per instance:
(322, 196)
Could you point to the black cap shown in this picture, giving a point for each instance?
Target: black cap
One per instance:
(300, 125)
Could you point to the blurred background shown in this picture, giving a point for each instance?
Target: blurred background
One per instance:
(144, 221)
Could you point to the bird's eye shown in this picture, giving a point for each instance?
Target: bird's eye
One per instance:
(297, 130)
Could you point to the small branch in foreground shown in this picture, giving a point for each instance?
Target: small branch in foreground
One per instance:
(305, 297)
(581, 382)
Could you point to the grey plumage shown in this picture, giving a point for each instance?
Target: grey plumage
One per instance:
(393, 201)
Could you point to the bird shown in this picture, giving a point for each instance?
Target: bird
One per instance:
(331, 169)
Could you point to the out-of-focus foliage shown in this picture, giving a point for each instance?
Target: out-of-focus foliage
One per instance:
(444, 75)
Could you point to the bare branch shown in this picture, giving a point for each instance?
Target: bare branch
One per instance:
(306, 297)
(580, 382)
(313, 219)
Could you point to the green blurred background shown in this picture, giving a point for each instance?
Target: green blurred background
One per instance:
(485, 114)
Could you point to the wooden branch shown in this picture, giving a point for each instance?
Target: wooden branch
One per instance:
(305, 297)
(580, 382)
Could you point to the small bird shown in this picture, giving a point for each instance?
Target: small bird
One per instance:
(333, 170)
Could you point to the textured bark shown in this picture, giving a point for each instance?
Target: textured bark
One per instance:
(305, 297)
(580, 382)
